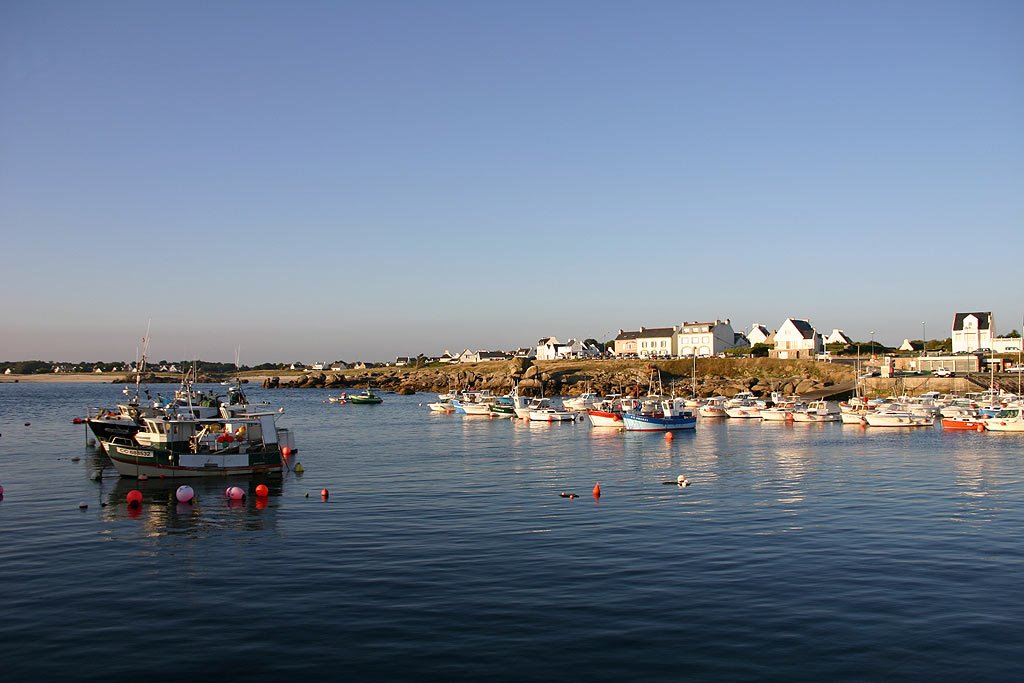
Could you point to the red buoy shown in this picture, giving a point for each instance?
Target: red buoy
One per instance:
(262, 491)
(597, 490)
(134, 498)
(324, 494)
(286, 451)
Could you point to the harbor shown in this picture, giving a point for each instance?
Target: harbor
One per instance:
(820, 551)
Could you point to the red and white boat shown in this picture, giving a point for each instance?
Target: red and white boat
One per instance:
(606, 413)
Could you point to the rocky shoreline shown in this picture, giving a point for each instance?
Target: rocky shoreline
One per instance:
(714, 376)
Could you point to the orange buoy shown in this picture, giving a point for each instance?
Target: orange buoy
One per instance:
(980, 427)
(324, 494)
(286, 451)
(668, 436)
(597, 490)
(262, 491)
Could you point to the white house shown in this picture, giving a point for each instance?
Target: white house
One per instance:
(758, 334)
(625, 343)
(657, 342)
(468, 356)
(547, 348)
(972, 331)
(796, 338)
(705, 338)
(837, 337)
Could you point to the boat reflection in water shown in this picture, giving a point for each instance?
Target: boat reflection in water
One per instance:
(163, 514)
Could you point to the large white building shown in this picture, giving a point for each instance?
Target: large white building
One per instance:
(973, 331)
(705, 338)
(656, 342)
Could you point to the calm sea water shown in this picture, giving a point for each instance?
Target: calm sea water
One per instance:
(444, 552)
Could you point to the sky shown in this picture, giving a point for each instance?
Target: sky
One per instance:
(359, 180)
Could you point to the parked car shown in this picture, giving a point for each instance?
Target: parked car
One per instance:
(943, 372)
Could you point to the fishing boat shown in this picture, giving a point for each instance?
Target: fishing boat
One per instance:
(178, 446)
(668, 415)
(366, 397)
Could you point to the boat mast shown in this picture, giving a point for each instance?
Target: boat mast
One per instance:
(140, 363)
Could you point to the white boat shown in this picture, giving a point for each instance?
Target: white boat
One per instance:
(441, 406)
(747, 409)
(552, 415)
(853, 413)
(818, 411)
(713, 407)
(524, 406)
(740, 399)
(783, 410)
(584, 401)
(1008, 420)
(895, 415)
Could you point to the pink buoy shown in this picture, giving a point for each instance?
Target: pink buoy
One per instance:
(134, 498)
(235, 493)
(185, 494)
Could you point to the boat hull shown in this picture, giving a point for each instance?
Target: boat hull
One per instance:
(604, 418)
(649, 423)
(898, 420)
(950, 424)
(133, 461)
(552, 416)
(997, 425)
(744, 413)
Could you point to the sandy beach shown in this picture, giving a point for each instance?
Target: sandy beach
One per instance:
(106, 378)
(110, 378)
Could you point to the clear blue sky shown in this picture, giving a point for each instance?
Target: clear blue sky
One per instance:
(359, 180)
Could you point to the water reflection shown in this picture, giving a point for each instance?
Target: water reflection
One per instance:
(162, 514)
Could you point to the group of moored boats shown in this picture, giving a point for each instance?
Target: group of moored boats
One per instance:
(652, 413)
(659, 413)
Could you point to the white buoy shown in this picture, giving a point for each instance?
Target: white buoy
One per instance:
(682, 480)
